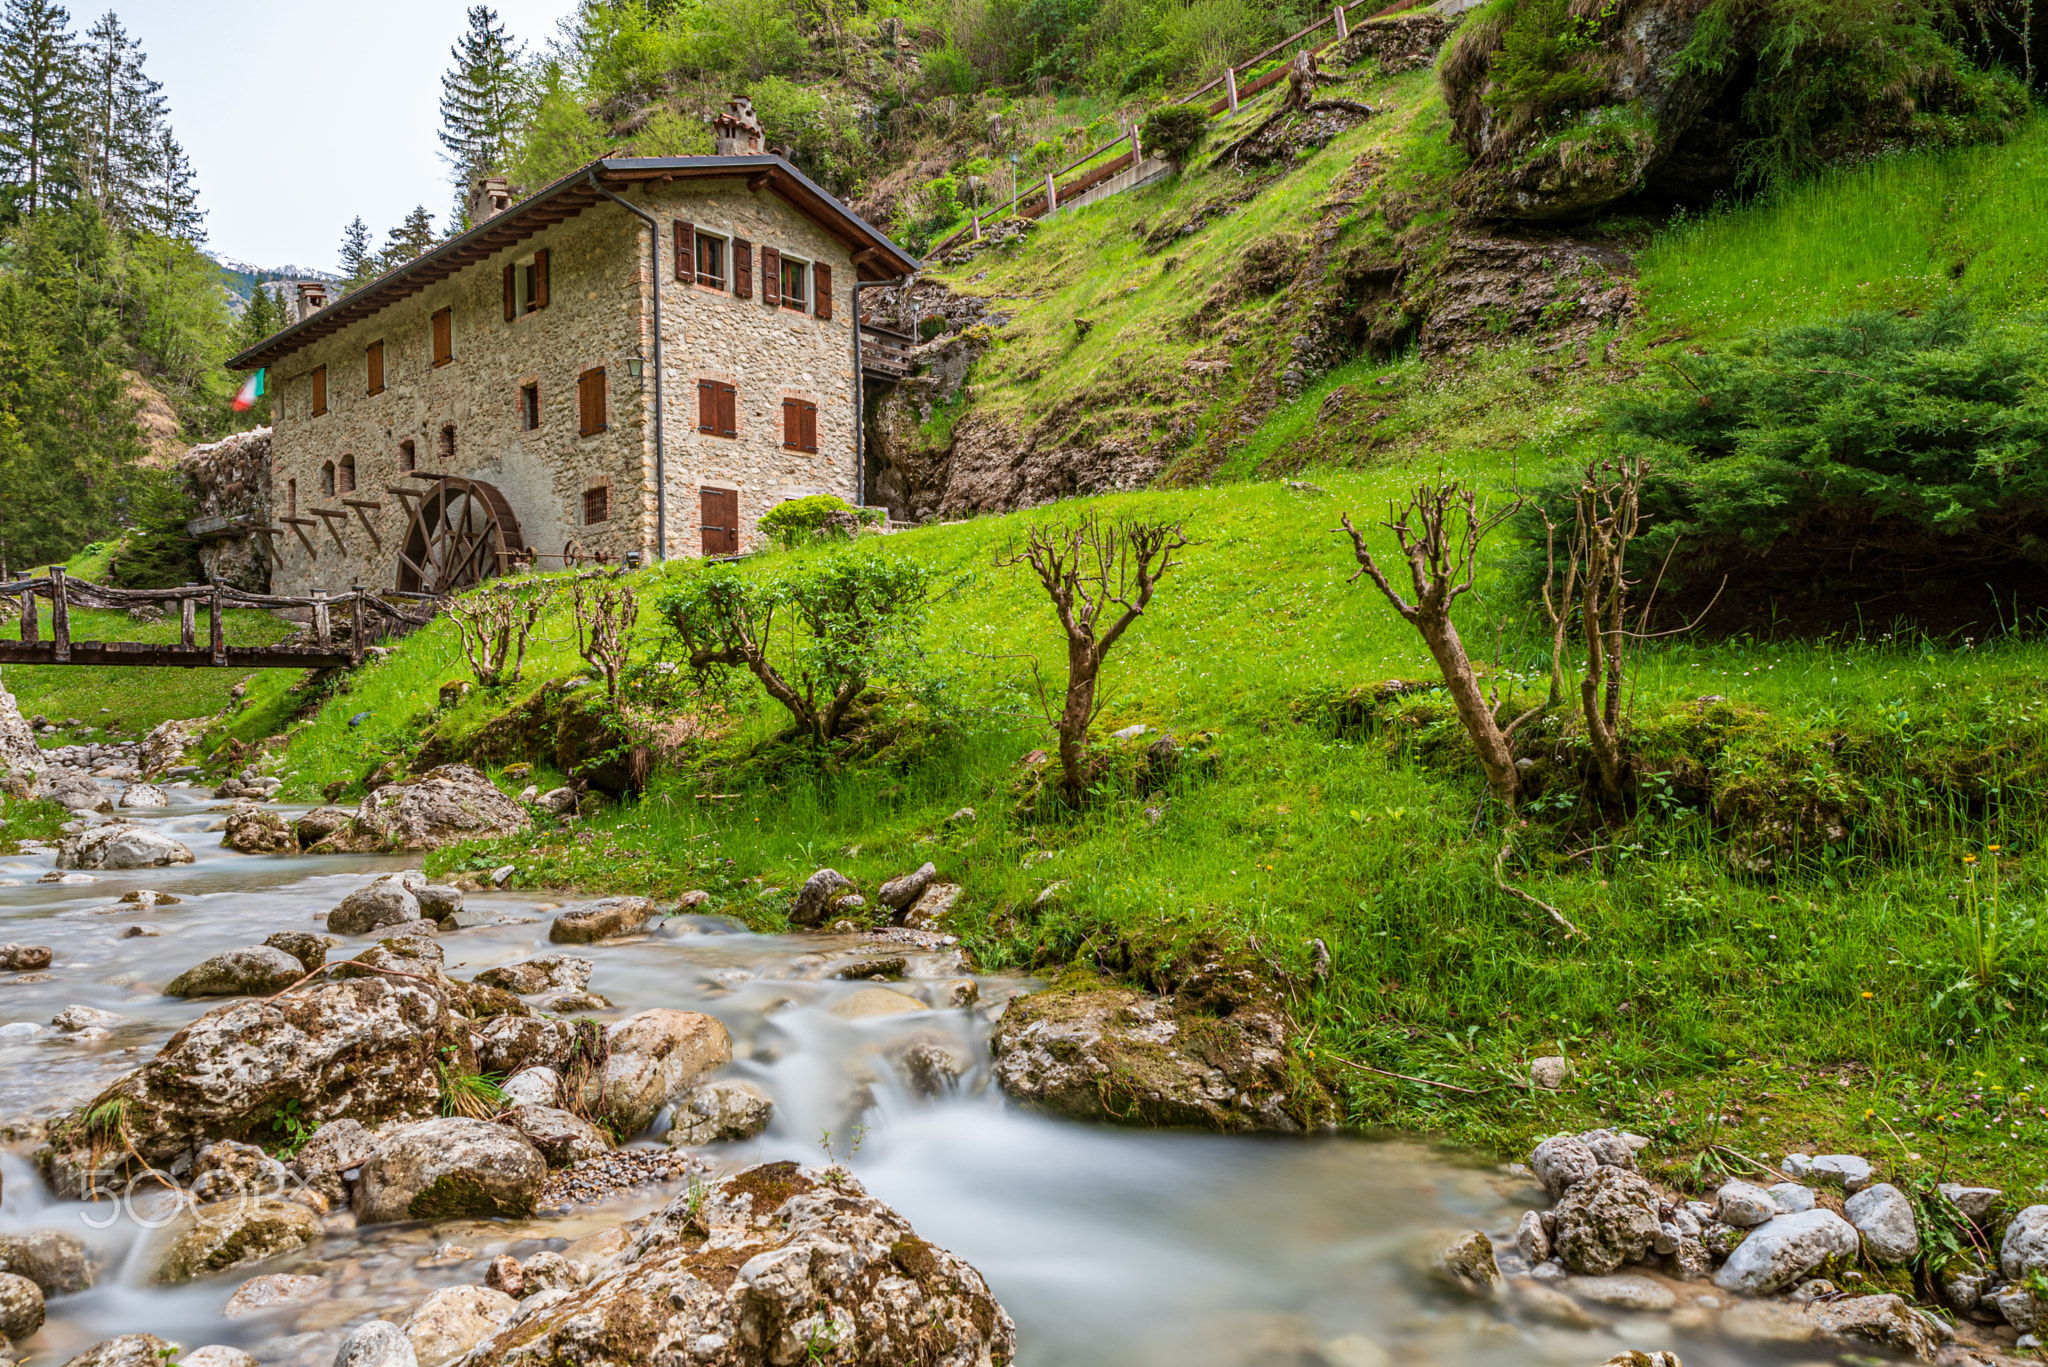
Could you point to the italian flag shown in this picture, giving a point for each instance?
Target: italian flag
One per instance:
(251, 390)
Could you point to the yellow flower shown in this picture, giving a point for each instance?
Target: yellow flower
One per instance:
(1868, 995)
(1994, 848)
(1969, 859)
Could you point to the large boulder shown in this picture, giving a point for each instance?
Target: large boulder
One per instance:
(453, 1166)
(21, 759)
(563, 1137)
(654, 1056)
(129, 1350)
(455, 1319)
(1883, 1215)
(121, 845)
(21, 1307)
(794, 1259)
(1606, 1221)
(380, 1343)
(721, 1112)
(1116, 1054)
(388, 901)
(506, 1044)
(365, 1049)
(58, 1262)
(166, 744)
(1561, 1163)
(231, 1234)
(253, 830)
(257, 971)
(143, 795)
(542, 973)
(588, 922)
(1888, 1321)
(1780, 1252)
(446, 805)
(2025, 1249)
(315, 826)
(821, 892)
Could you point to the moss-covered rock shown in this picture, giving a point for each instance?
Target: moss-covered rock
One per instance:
(231, 1234)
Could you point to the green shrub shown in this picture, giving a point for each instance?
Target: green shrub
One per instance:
(158, 553)
(1546, 68)
(817, 517)
(1175, 132)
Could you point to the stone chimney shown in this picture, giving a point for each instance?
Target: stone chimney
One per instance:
(489, 196)
(311, 297)
(737, 132)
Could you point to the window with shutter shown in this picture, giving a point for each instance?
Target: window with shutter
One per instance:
(794, 295)
(444, 337)
(822, 278)
(511, 292)
(590, 399)
(686, 252)
(771, 276)
(373, 364)
(711, 261)
(742, 268)
(319, 390)
(707, 406)
(540, 278)
(807, 429)
(792, 426)
(728, 411)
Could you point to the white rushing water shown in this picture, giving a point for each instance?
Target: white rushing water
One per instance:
(1107, 1246)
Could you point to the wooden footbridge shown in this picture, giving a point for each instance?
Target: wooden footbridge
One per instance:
(360, 612)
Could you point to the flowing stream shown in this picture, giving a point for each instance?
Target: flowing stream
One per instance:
(1108, 1246)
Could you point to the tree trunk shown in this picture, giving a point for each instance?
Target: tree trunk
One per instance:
(1083, 665)
(1495, 756)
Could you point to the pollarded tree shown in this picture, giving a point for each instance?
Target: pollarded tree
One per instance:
(1088, 567)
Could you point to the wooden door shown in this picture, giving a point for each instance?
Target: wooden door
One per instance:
(721, 520)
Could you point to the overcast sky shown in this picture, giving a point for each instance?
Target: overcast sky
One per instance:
(299, 116)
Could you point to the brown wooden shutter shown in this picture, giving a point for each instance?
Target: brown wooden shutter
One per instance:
(807, 427)
(728, 411)
(319, 390)
(821, 275)
(590, 401)
(540, 278)
(791, 425)
(707, 406)
(742, 268)
(686, 252)
(719, 516)
(373, 362)
(511, 294)
(444, 337)
(771, 276)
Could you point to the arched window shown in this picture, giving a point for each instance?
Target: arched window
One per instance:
(345, 476)
(327, 480)
(448, 444)
(408, 457)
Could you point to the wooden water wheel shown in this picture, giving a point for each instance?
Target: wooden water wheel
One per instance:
(462, 531)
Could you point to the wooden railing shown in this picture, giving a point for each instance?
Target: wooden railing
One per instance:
(885, 354)
(366, 614)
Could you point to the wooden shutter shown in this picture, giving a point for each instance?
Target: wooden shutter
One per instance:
(771, 276)
(373, 363)
(511, 294)
(444, 337)
(540, 278)
(590, 401)
(742, 268)
(728, 411)
(792, 425)
(686, 252)
(821, 282)
(319, 390)
(719, 514)
(707, 406)
(807, 426)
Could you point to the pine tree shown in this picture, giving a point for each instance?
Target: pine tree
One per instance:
(480, 105)
(169, 202)
(123, 111)
(410, 240)
(39, 100)
(358, 262)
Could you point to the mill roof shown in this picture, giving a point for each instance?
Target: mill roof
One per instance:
(875, 257)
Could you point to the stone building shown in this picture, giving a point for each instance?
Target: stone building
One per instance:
(503, 399)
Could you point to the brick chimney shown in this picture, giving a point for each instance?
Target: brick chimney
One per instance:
(311, 297)
(489, 196)
(737, 132)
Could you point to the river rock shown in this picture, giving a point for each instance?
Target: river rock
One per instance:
(1606, 1221)
(226, 1169)
(817, 1260)
(121, 845)
(1561, 1163)
(563, 1137)
(317, 825)
(1884, 1217)
(252, 830)
(938, 899)
(269, 1291)
(932, 1067)
(167, 743)
(364, 1049)
(257, 971)
(443, 806)
(1550, 1071)
(1974, 1202)
(506, 1044)
(455, 1319)
(217, 1355)
(1532, 1238)
(21, 759)
(140, 795)
(1467, 1263)
(21, 1307)
(720, 1112)
(1842, 1170)
(438, 902)
(2025, 1249)
(654, 1056)
(387, 901)
(2018, 1307)
(1117, 1054)
(1631, 1292)
(535, 1086)
(1634, 1357)
(1790, 1197)
(1780, 1252)
(441, 1169)
(1743, 1205)
(24, 958)
(898, 893)
(589, 922)
(58, 1262)
(542, 973)
(379, 1343)
(1887, 1321)
(815, 899)
(549, 1271)
(73, 1020)
(871, 1003)
(129, 1350)
(309, 949)
(1614, 1149)
(230, 1234)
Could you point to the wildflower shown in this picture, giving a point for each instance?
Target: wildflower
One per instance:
(1969, 859)
(1868, 995)
(1994, 848)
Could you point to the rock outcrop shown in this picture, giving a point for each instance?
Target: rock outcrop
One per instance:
(230, 480)
(21, 759)
(654, 1057)
(771, 1263)
(121, 845)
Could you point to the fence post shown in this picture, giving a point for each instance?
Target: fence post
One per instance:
(322, 636)
(60, 617)
(1343, 25)
(1230, 83)
(186, 617)
(29, 631)
(355, 624)
(219, 624)
(1052, 195)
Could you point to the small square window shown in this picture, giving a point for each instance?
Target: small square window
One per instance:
(711, 261)
(529, 407)
(597, 505)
